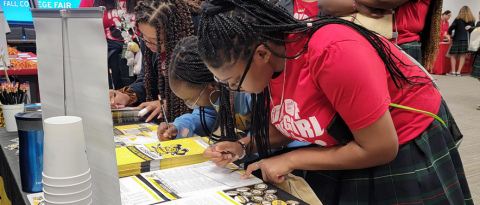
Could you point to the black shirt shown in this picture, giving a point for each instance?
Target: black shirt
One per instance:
(461, 34)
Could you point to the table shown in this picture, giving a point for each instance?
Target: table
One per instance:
(10, 171)
(30, 75)
(443, 65)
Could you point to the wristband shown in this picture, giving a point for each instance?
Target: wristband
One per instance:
(354, 5)
(244, 149)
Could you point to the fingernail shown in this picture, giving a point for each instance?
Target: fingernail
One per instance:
(243, 177)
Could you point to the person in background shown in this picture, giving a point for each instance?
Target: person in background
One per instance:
(323, 80)
(463, 24)
(445, 25)
(417, 22)
(476, 62)
(300, 9)
(118, 23)
(163, 23)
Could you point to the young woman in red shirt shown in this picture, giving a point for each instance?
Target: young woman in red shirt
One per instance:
(331, 82)
(445, 25)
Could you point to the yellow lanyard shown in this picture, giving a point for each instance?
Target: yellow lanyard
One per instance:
(420, 111)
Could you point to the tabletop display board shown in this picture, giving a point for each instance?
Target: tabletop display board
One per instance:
(73, 79)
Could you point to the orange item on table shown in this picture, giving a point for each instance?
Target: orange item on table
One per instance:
(13, 51)
(22, 64)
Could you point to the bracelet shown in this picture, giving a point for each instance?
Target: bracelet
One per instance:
(244, 149)
(354, 5)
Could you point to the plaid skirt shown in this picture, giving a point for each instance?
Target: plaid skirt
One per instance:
(427, 170)
(459, 47)
(476, 66)
(413, 49)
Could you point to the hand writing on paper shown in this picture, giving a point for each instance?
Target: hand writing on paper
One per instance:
(221, 158)
(153, 107)
(273, 169)
(165, 134)
(118, 99)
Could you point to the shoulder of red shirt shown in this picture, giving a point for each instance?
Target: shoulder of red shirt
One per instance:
(86, 3)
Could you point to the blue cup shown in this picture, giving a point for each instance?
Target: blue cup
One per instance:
(30, 133)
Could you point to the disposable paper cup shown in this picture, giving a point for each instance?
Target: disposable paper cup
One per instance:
(64, 198)
(65, 181)
(64, 147)
(9, 112)
(85, 201)
(66, 189)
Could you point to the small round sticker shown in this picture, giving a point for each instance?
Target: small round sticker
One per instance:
(261, 186)
(257, 192)
(278, 202)
(266, 203)
(271, 191)
(257, 199)
(291, 202)
(247, 194)
(270, 197)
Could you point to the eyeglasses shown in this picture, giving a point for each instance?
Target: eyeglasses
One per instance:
(150, 43)
(194, 105)
(247, 68)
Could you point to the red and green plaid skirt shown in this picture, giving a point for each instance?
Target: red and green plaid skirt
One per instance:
(427, 170)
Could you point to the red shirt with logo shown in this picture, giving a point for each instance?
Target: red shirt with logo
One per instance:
(112, 22)
(303, 10)
(410, 18)
(342, 72)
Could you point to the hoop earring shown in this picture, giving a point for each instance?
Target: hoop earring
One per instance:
(210, 99)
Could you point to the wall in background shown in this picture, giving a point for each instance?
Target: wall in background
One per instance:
(455, 5)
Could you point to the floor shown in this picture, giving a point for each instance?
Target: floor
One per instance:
(463, 96)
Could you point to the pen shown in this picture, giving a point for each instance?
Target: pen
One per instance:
(163, 111)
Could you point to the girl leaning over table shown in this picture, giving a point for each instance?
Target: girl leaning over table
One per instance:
(162, 23)
(331, 83)
(217, 112)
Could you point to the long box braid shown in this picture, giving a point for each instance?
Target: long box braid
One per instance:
(174, 17)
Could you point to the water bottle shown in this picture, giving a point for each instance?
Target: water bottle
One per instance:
(30, 133)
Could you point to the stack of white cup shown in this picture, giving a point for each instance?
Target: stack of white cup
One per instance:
(66, 175)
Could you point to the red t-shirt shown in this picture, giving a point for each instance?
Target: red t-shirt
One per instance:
(410, 19)
(303, 10)
(341, 72)
(112, 22)
(445, 26)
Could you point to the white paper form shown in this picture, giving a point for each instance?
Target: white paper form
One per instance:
(195, 179)
(135, 192)
(212, 198)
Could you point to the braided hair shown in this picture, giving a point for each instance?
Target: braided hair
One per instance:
(174, 17)
(230, 29)
(187, 66)
(430, 35)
